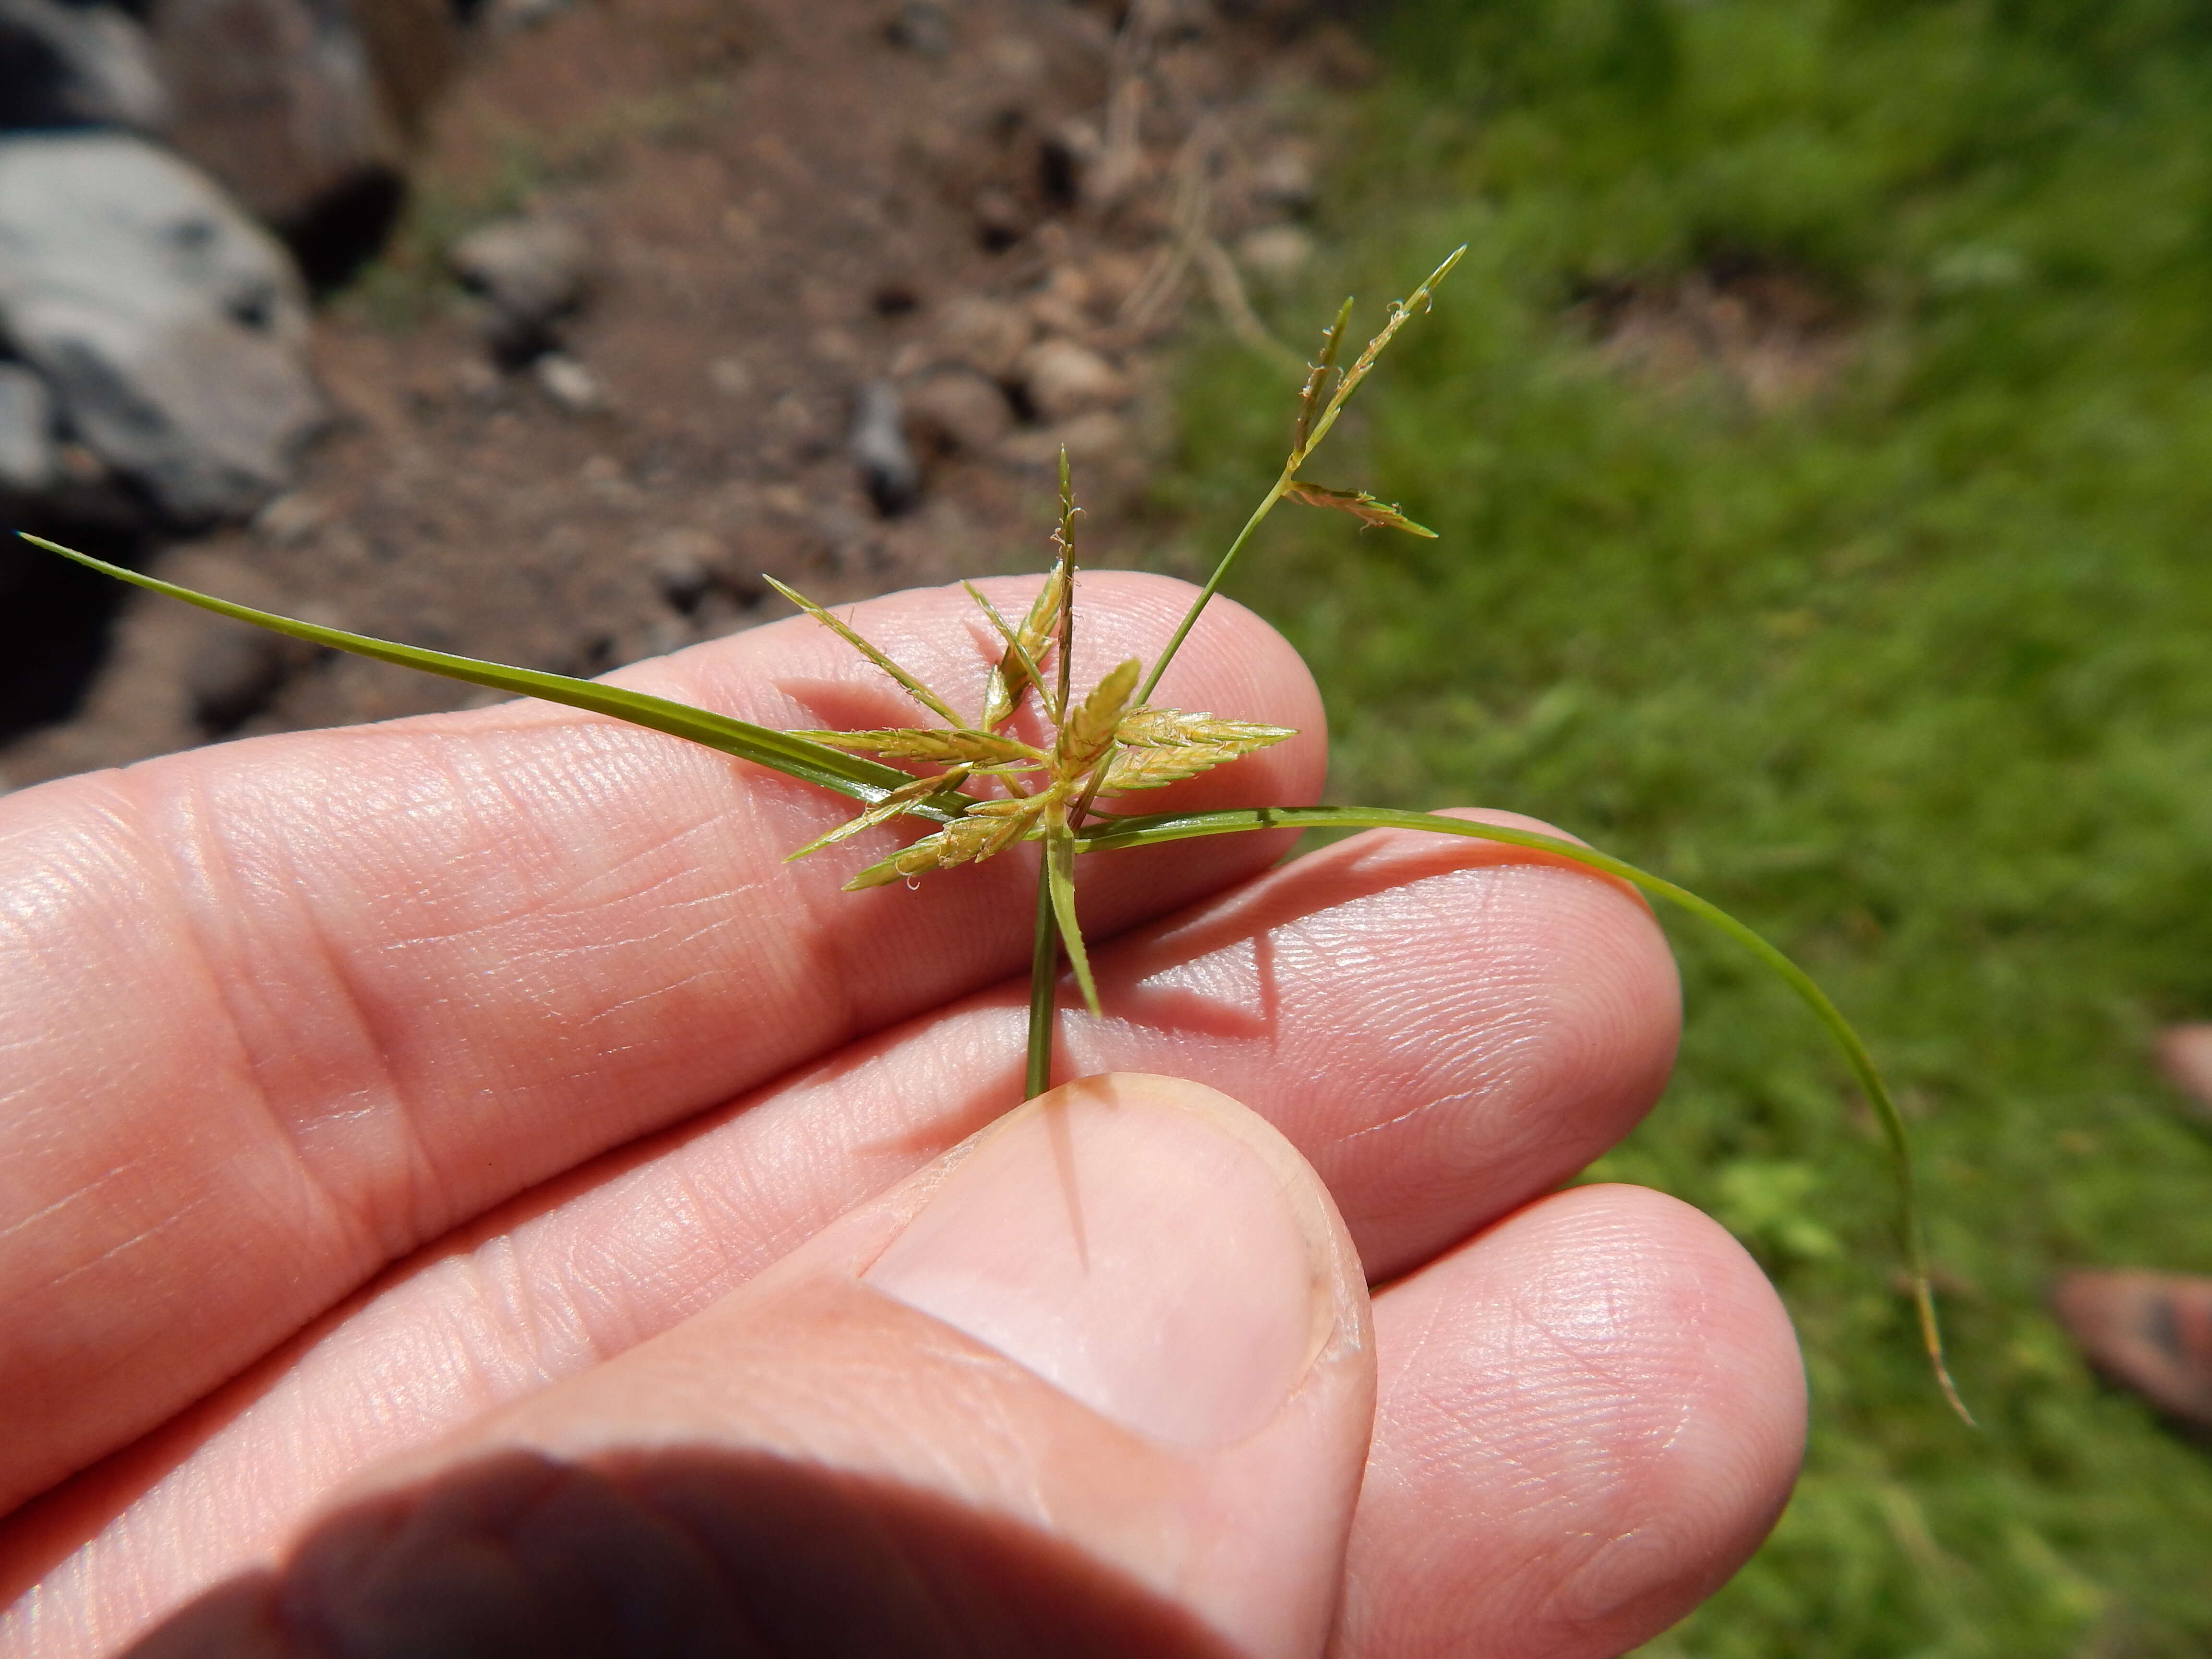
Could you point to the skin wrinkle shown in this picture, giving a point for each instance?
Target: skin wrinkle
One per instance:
(678, 1215)
(203, 864)
(84, 1193)
(39, 1381)
(128, 817)
(177, 1215)
(826, 963)
(655, 865)
(556, 1332)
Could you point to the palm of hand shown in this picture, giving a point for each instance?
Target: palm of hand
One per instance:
(489, 1077)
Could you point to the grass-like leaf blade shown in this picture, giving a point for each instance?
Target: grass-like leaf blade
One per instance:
(1060, 876)
(796, 757)
(1110, 834)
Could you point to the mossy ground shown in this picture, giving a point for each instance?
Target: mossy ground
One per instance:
(1911, 668)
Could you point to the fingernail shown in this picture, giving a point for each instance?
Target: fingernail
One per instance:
(1143, 1244)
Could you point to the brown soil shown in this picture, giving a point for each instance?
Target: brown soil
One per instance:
(787, 199)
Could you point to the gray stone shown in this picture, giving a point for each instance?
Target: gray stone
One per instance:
(170, 328)
(63, 65)
(295, 104)
(924, 28)
(530, 272)
(535, 268)
(525, 13)
(27, 461)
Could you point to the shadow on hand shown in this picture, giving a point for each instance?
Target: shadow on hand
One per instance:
(689, 1552)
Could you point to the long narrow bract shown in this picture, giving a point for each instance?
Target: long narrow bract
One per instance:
(781, 751)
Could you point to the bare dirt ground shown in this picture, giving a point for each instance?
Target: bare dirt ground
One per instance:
(1001, 208)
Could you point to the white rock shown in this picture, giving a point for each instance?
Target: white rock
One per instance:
(293, 519)
(27, 461)
(170, 327)
(1064, 378)
(61, 64)
(569, 384)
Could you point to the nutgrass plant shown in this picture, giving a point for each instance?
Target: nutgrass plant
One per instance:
(986, 791)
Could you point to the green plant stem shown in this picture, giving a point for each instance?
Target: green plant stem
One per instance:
(1213, 584)
(1045, 988)
(1307, 438)
(1110, 834)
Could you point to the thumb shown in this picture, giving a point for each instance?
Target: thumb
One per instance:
(1099, 1381)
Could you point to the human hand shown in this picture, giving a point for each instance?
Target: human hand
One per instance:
(463, 1144)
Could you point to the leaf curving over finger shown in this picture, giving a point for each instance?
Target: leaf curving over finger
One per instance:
(794, 756)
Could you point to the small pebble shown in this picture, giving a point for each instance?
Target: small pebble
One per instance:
(987, 335)
(1063, 378)
(291, 518)
(922, 28)
(961, 407)
(530, 272)
(1002, 221)
(1093, 437)
(730, 377)
(685, 564)
(569, 384)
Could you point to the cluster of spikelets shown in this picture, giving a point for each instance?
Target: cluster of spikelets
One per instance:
(1104, 743)
(1101, 746)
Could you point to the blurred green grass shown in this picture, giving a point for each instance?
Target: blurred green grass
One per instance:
(1915, 674)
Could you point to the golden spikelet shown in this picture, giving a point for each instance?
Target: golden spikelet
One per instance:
(932, 744)
(1089, 729)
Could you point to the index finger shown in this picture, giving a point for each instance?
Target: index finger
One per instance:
(277, 1012)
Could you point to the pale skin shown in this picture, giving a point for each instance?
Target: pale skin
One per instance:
(376, 1102)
